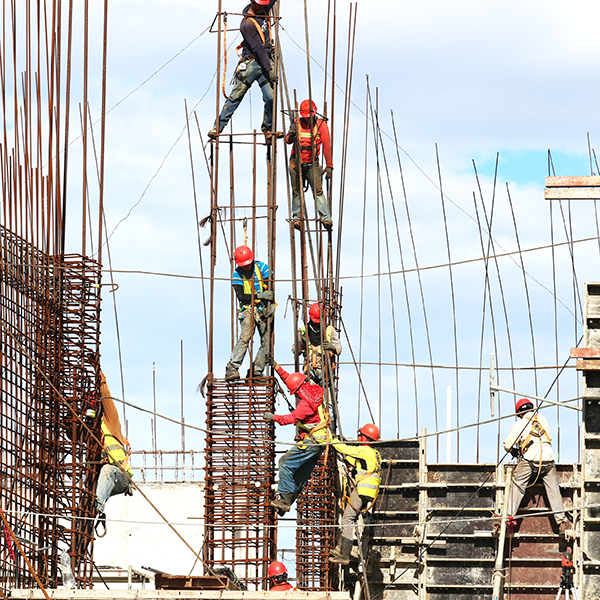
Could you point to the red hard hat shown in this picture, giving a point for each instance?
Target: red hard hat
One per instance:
(305, 110)
(294, 381)
(261, 2)
(314, 312)
(371, 431)
(276, 568)
(243, 256)
(523, 402)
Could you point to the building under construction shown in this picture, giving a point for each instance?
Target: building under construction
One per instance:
(430, 534)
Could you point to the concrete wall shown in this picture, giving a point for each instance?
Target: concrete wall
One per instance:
(137, 536)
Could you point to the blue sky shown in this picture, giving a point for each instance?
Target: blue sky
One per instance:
(473, 78)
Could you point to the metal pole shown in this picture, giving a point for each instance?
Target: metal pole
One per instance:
(449, 423)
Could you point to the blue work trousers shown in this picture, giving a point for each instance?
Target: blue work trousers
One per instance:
(296, 466)
(111, 481)
(243, 80)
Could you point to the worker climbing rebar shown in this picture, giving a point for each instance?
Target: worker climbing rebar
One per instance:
(256, 64)
(310, 133)
(530, 442)
(322, 342)
(312, 418)
(116, 473)
(366, 463)
(250, 281)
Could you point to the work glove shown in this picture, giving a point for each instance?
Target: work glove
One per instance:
(515, 451)
(269, 360)
(268, 295)
(273, 76)
(328, 171)
(291, 136)
(327, 345)
(268, 416)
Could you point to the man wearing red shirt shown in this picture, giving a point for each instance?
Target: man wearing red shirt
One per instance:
(312, 418)
(310, 133)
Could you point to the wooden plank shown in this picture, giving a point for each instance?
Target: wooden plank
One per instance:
(576, 181)
(585, 352)
(588, 365)
(572, 193)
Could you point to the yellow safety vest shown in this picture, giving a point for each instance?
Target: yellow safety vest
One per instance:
(319, 432)
(368, 474)
(313, 351)
(115, 451)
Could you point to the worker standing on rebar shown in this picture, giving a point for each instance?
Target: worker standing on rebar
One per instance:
(323, 344)
(278, 576)
(256, 64)
(530, 441)
(310, 133)
(250, 281)
(116, 473)
(312, 418)
(366, 464)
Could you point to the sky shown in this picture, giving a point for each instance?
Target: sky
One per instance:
(464, 84)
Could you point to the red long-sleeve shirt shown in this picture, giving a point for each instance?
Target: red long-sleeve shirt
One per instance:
(323, 139)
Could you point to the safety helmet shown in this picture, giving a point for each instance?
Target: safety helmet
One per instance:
(294, 381)
(243, 256)
(277, 568)
(522, 405)
(371, 431)
(261, 2)
(314, 312)
(305, 108)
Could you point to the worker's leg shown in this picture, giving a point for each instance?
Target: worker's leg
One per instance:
(520, 479)
(295, 183)
(310, 459)
(239, 350)
(550, 478)
(267, 93)
(259, 361)
(315, 179)
(243, 81)
(111, 481)
(351, 513)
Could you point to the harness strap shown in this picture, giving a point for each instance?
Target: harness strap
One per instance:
(260, 32)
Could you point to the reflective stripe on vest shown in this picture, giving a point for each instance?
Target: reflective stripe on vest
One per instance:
(536, 431)
(114, 450)
(367, 482)
(308, 138)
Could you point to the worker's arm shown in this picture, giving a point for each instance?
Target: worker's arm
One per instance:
(290, 138)
(300, 413)
(515, 434)
(326, 141)
(335, 340)
(254, 42)
(299, 344)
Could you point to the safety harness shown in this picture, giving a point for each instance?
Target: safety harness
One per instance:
(315, 351)
(260, 33)
(536, 431)
(114, 451)
(361, 482)
(248, 283)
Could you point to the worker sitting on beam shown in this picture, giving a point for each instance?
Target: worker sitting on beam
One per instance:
(313, 420)
(250, 281)
(366, 464)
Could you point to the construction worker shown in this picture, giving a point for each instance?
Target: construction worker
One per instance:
(256, 64)
(366, 462)
(311, 133)
(318, 343)
(250, 280)
(278, 577)
(530, 441)
(116, 473)
(312, 418)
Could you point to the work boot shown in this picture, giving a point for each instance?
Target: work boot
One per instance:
(511, 525)
(269, 134)
(341, 553)
(297, 224)
(213, 133)
(496, 523)
(283, 503)
(231, 375)
(327, 223)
